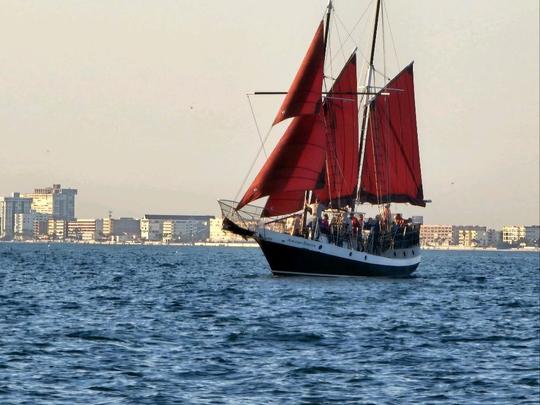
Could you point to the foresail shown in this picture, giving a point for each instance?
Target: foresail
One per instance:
(284, 203)
(296, 162)
(304, 95)
(391, 166)
(341, 121)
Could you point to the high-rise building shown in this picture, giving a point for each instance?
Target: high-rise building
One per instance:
(9, 206)
(55, 201)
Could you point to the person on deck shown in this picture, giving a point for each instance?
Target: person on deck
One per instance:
(386, 220)
(325, 225)
(297, 225)
(316, 209)
(355, 230)
(375, 235)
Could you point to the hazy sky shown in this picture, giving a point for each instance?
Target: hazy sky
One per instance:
(142, 106)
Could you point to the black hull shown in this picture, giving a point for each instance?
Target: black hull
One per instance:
(287, 260)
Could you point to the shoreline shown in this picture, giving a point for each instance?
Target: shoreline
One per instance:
(250, 245)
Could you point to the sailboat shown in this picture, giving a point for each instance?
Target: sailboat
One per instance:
(334, 156)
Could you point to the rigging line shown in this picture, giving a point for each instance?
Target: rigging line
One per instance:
(253, 163)
(256, 125)
(383, 41)
(385, 11)
(350, 33)
(387, 124)
(341, 44)
(373, 131)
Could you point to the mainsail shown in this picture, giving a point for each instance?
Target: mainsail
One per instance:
(391, 166)
(341, 119)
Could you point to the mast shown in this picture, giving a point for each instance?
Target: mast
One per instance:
(327, 30)
(371, 68)
(308, 193)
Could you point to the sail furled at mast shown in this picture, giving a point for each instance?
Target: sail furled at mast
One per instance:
(304, 95)
(391, 166)
(295, 163)
(341, 119)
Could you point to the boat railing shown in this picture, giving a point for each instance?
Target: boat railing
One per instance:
(248, 217)
(371, 239)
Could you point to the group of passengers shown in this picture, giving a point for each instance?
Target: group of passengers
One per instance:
(346, 229)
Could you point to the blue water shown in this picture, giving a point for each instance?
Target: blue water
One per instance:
(193, 325)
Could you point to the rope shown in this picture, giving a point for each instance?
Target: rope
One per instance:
(253, 163)
(385, 11)
(256, 125)
(350, 33)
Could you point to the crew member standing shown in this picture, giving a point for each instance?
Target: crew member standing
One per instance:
(316, 209)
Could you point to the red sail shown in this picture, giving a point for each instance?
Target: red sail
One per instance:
(341, 114)
(391, 168)
(295, 163)
(304, 96)
(284, 203)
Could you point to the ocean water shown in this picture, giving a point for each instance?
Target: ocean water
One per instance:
(196, 325)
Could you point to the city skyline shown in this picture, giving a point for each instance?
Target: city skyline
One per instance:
(149, 114)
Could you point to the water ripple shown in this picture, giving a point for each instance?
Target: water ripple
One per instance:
(167, 325)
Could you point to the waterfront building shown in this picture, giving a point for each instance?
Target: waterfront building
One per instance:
(57, 229)
(178, 228)
(493, 237)
(218, 235)
(41, 228)
(435, 235)
(127, 228)
(85, 229)
(469, 235)
(9, 206)
(55, 201)
(24, 224)
(513, 234)
(532, 235)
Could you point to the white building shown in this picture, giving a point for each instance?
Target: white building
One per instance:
(177, 228)
(85, 229)
(435, 235)
(24, 224)
(513, 234)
